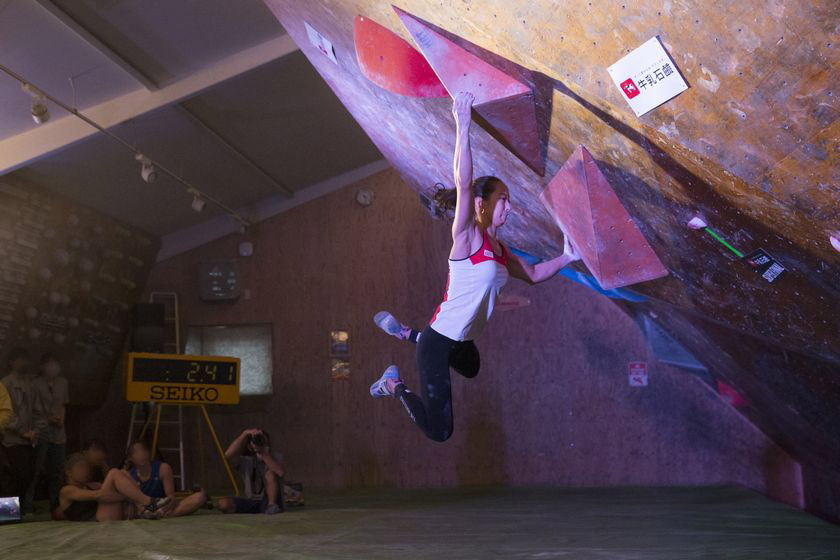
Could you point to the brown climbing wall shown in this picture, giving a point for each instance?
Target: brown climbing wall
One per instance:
(752, 145)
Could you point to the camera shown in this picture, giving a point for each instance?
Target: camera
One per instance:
(258, 440)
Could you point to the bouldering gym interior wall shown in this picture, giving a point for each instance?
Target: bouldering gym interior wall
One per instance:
(258, 182)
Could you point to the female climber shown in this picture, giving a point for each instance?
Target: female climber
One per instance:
(479, 266)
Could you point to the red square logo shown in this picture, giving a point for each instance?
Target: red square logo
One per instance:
(629, 88)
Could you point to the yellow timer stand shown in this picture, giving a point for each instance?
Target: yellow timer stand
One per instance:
(182, 380)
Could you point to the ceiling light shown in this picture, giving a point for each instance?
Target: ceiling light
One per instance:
(198, 203)
(38, 109)
(246, 249)
(147, 170)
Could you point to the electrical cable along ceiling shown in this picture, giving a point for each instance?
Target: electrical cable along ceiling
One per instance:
(189, 88)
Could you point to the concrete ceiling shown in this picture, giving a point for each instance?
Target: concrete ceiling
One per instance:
(275, 128)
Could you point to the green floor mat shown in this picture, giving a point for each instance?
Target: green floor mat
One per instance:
(534, 523)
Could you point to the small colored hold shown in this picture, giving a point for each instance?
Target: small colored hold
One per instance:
(697, 222)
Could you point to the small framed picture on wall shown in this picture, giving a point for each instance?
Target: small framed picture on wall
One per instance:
(339, 343)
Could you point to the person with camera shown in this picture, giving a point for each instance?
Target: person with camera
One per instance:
(262, 475)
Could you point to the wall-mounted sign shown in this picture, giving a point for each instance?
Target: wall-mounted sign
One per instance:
(768, 267)
(340, 369)
(219, 280)
(647, 77)
(181, 379)
(637, 374)
(320, 42)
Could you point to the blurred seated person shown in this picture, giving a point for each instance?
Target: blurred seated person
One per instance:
(96, 455)
(115, 499)
(156, 480)
(262, 475)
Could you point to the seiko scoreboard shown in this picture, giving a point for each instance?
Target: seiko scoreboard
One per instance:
(180, 379)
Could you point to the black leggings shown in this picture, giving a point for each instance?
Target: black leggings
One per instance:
(435, 355)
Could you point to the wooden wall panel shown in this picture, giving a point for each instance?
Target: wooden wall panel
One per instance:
(551, 404)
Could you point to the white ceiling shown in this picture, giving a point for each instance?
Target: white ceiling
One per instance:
(276, 127)
(35, 43)
(167, 39)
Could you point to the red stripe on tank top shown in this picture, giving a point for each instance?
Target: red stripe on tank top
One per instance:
(445, 295)
(481, 255)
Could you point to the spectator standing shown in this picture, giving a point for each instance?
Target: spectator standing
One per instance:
(20, 435)
(52, 391)
(5, 407)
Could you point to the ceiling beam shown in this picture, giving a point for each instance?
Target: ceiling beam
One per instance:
(59, 133)
(233, 150)
(97, 44)
(217, 227)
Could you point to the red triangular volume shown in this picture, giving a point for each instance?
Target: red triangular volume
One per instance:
(390, 62)
(512, 121)
(505, 104)
(587, 209)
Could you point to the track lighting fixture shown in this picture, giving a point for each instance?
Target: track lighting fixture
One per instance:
(38, 109)
(147, 170)
(198, 203)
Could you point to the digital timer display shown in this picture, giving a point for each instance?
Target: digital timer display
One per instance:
(176, 378)
(205, 371)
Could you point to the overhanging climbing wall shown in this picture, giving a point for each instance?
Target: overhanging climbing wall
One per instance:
(752, 145)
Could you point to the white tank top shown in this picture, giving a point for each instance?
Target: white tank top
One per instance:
(471, 292)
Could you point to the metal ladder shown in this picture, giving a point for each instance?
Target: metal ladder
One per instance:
(172, 345)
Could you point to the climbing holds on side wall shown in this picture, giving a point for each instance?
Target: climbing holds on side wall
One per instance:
(760, 260)
(731, 395)
(665, 348)
(586, 208)
(389, 61)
